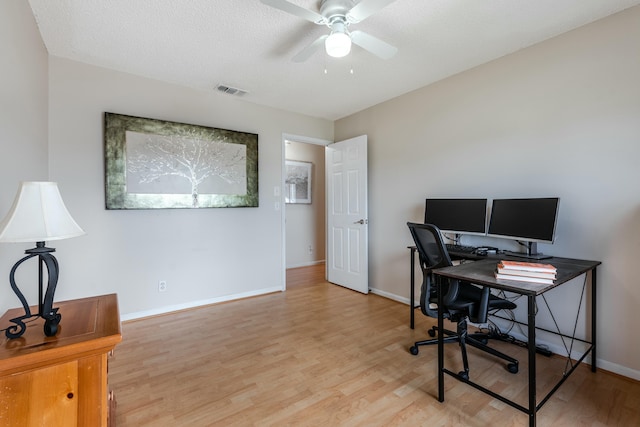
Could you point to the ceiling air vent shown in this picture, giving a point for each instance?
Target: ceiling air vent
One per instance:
(231, 90)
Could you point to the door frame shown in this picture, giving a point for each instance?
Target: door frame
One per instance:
(306, 140)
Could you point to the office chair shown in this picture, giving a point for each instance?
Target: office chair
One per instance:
(461, 301)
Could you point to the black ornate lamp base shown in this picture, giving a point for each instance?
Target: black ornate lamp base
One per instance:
(45, 305)
(51, 322)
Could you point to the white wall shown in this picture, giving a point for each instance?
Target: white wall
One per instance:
(305, 223)
(204, 255)
(23, 127)
(561, 118)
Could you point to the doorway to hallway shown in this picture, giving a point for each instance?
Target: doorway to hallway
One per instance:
(305, 234)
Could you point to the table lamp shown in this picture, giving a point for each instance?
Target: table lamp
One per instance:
(38, 214)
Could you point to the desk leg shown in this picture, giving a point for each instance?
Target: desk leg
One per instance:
(438, 280)
(593, 319)
(532, 358)
(412, 299)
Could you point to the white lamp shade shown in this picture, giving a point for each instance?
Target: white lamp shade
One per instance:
(38, 214)
(338, 44)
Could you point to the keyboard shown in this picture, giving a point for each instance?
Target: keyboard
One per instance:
(460, 248)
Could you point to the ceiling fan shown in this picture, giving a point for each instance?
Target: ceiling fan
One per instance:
(338, 15)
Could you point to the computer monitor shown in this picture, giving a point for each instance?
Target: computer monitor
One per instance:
(459, 216)
(529, 220)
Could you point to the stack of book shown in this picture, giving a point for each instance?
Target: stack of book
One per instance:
(526, 272)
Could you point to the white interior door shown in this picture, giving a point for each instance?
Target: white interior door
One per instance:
(347, 220)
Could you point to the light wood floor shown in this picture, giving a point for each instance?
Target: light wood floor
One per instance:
(322, 355)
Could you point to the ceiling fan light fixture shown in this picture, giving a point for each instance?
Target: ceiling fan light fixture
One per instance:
(338, 44)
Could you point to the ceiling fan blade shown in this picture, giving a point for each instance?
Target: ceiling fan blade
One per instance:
(366, 8)
(296, 10)
(306, 53)
(373, 44)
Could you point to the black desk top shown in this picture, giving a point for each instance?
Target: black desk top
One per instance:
(482, 272)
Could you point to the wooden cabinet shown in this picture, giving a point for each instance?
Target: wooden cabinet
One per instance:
(60, 380)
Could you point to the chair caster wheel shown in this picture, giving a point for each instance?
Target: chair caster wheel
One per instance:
(432, 332)
(464, 375)
(513, 368)
(414, 350)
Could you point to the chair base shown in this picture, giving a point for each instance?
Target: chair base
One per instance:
(477, 340)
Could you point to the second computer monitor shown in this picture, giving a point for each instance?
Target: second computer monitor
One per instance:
(459, 216)
(531, 220)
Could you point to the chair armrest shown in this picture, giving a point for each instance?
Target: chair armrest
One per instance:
(483, 306)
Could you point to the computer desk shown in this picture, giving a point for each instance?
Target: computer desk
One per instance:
(482, 272)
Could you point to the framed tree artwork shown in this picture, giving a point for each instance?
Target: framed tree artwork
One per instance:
(151, 164)
(298, 181)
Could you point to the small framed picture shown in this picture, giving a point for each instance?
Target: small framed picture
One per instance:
(298, 181)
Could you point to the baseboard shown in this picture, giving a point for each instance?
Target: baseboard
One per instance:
(619, 369)
(602, 364)
(389, 296)
(307, 264)
(194, 304)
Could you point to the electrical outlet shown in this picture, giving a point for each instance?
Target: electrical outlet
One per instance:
(162, 286)
(310, 250)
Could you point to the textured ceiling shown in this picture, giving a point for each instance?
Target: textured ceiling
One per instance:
(248, 45)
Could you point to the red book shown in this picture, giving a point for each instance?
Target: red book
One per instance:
(526, 266)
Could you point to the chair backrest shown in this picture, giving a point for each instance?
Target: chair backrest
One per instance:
(430, 245)
(433, 254)
(458, 297)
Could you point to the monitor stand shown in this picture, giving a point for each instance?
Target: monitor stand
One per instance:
(528, 256)
(532, 252)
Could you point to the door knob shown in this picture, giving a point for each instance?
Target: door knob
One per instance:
(362, 221)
